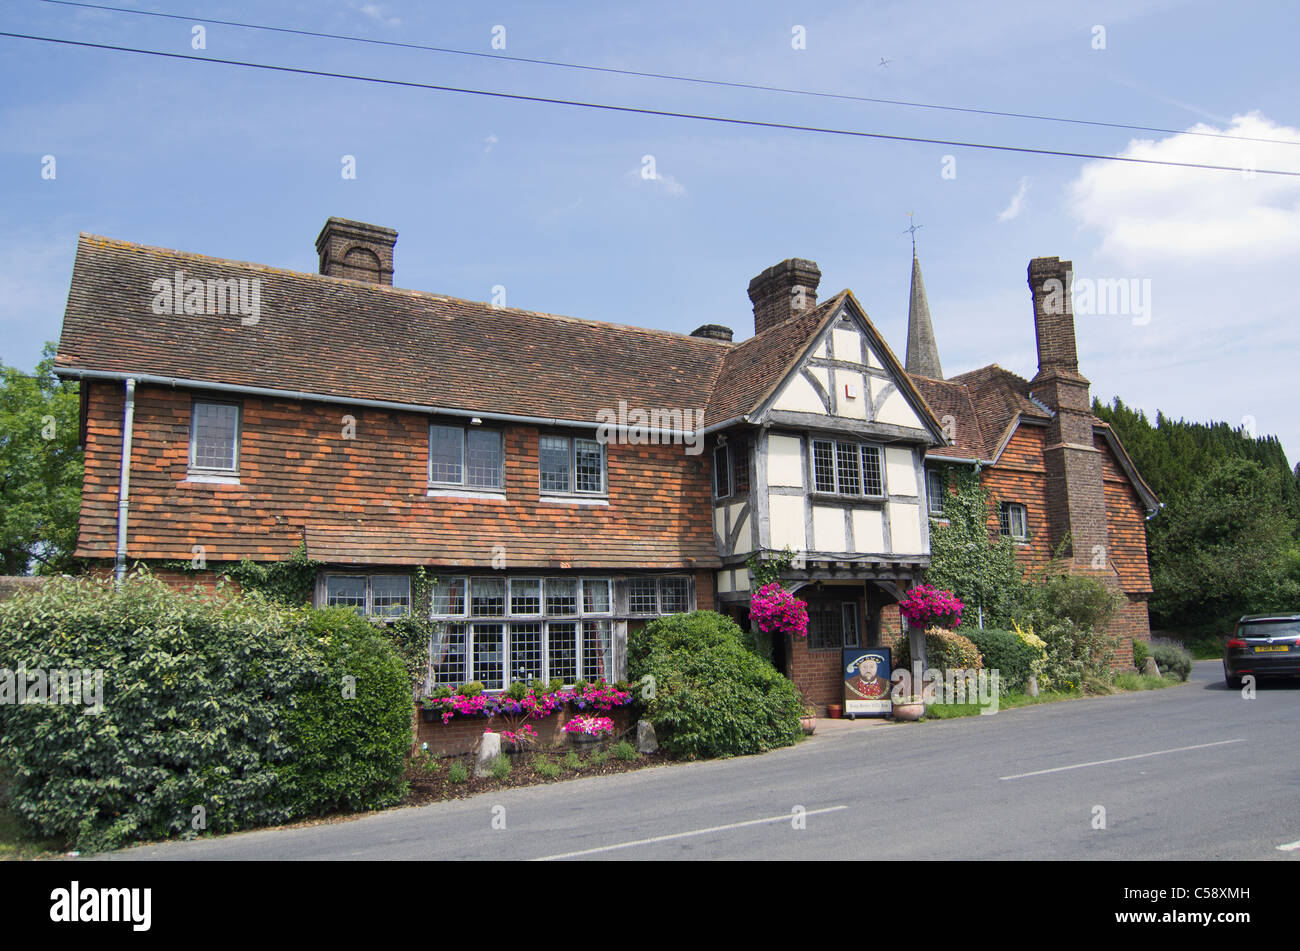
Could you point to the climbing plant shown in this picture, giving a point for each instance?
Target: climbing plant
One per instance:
(290, 581)
(980, 570)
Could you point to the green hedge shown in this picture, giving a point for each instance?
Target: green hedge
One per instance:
(351, 731)
(1006, 653)
(215, 716)
(944, 650)
(712, 695)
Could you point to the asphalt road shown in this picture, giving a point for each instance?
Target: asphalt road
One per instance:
(1190, 772)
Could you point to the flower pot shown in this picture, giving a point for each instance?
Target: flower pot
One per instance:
(585, 741)
(835, 711)
(908, 711)
(809, 724)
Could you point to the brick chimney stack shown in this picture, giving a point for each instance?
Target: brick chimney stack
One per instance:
(356, 250)
(784, 290)
(1076, 496)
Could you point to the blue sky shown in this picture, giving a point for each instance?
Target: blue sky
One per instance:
(551, 203)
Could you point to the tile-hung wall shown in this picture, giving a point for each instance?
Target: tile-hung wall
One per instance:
(839, 471)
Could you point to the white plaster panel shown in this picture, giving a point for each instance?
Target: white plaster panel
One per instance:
(784, 462)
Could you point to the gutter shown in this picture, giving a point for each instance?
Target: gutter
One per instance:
(305, 396)
(124, 484)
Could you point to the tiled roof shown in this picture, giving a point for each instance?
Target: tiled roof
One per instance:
(360, 341)
(365, 341)
(751, 369)
(954, 399)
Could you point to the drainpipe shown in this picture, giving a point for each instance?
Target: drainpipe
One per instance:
(124, 486)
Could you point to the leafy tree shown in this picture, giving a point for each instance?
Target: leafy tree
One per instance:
(1227, 548)
(40, 469)
(1225, 542)
(966, 560)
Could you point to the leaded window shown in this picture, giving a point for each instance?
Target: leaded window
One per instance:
(214, 437)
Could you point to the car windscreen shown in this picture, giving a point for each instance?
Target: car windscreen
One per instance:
(1281, 628)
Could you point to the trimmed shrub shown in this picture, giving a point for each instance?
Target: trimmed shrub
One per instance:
(1075, 656)
(1140, 654)
(712, 695)
(944, 650)
(195, 694)
(1171, 658)
(351, 731)
(208, 701)
(1008, 654)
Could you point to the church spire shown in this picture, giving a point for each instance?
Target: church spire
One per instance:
(922, 351)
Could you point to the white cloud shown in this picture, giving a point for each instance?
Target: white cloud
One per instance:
(489, 142)
(1219, 250)
(1153, 212)
(376, 13)
(1017, 202)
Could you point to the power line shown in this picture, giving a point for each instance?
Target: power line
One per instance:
(668, 76)
(634, 110)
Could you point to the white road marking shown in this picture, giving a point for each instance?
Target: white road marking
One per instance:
(682, 835)
(1289, 847)
(1120, 759)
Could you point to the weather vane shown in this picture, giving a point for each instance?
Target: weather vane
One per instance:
(912, 229)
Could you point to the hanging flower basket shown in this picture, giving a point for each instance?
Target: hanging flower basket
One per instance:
(776, 611)
(926, 606)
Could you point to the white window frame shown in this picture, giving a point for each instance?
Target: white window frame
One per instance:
(571, 442)
(659, 595)
(722, 470)
(931, 495)
(1011, 508)
(368, 608)
(509, 617)
(859, 448)
(464, 459)
(194, 434)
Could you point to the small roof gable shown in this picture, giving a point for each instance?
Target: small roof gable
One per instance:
(752, 370)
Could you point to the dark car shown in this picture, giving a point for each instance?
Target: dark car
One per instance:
(1264, 645)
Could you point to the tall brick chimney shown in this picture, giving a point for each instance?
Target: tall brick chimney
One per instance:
(1076, 496)
(356, 250)
(784, 290)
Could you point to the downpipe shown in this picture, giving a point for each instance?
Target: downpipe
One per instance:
(124, 484)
